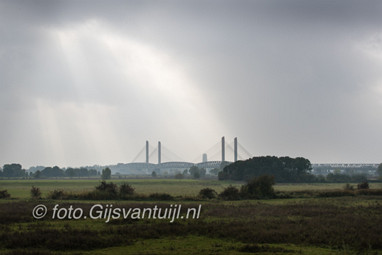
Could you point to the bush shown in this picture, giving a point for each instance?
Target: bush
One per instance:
(126, 190)
(348, 187)
(4, 194)
(230, 193)
(259, 187)
(35, 192)
(363, 185)
(109, 188)
(95, 195)
(161, 196)
(179, 176)
(336, 193)
(56, 194)
(207, 193)
(369, 192)
(26, 252)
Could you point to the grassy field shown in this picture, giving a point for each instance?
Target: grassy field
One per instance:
(186, 187)
(318, 186)
(319, 225)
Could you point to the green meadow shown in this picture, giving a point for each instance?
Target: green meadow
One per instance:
(20, 189)
(185, 187)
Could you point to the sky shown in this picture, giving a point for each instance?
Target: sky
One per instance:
(88, 82)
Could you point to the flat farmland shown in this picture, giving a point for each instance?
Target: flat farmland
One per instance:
(185, 187)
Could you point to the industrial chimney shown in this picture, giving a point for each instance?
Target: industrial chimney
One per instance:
(159, 153)
(147, 152)
(223, 149)
(204, 159)
(235, 149)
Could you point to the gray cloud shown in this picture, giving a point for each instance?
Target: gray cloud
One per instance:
(88, 82)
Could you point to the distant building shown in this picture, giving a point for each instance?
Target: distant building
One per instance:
(204, 160)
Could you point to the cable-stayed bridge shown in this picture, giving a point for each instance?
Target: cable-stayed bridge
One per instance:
(170, 162)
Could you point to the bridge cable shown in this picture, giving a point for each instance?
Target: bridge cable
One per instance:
(165, 151)
(153, 152)
(139, 154)
(246, 152)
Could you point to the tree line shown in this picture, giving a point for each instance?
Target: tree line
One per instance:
(16, 171)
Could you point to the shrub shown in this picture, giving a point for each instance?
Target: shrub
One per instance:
(336, 193)
(179, 176)
(161, 196)
(110, 188)
(96, 195)
(369, 192)
(26, 252)
(126, 190)
(56, 194)
(348, 187)
(363, 185)
(230, 193)
(4, 194)
(255, 248)
(207, 193)
(35, 192)
(259, 187)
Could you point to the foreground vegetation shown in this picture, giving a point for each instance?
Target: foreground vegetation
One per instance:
(334, 225)
(306, 222)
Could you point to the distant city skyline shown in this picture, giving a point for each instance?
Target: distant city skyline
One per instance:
(88, 82)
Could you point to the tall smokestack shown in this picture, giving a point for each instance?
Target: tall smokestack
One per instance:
(204, 158)
(147, 151)
(159, 152)
(223, 149)
(235, 149)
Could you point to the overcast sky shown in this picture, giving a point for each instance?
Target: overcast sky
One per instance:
(88, 82)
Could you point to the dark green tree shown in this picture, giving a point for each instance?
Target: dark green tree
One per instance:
(52, 172)
(197, 172)
(106, 174)
(70, 172)
(215, 171)
(379, 171)
(284, 169)
(93, 172)
(13, 170)
(37, 174)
